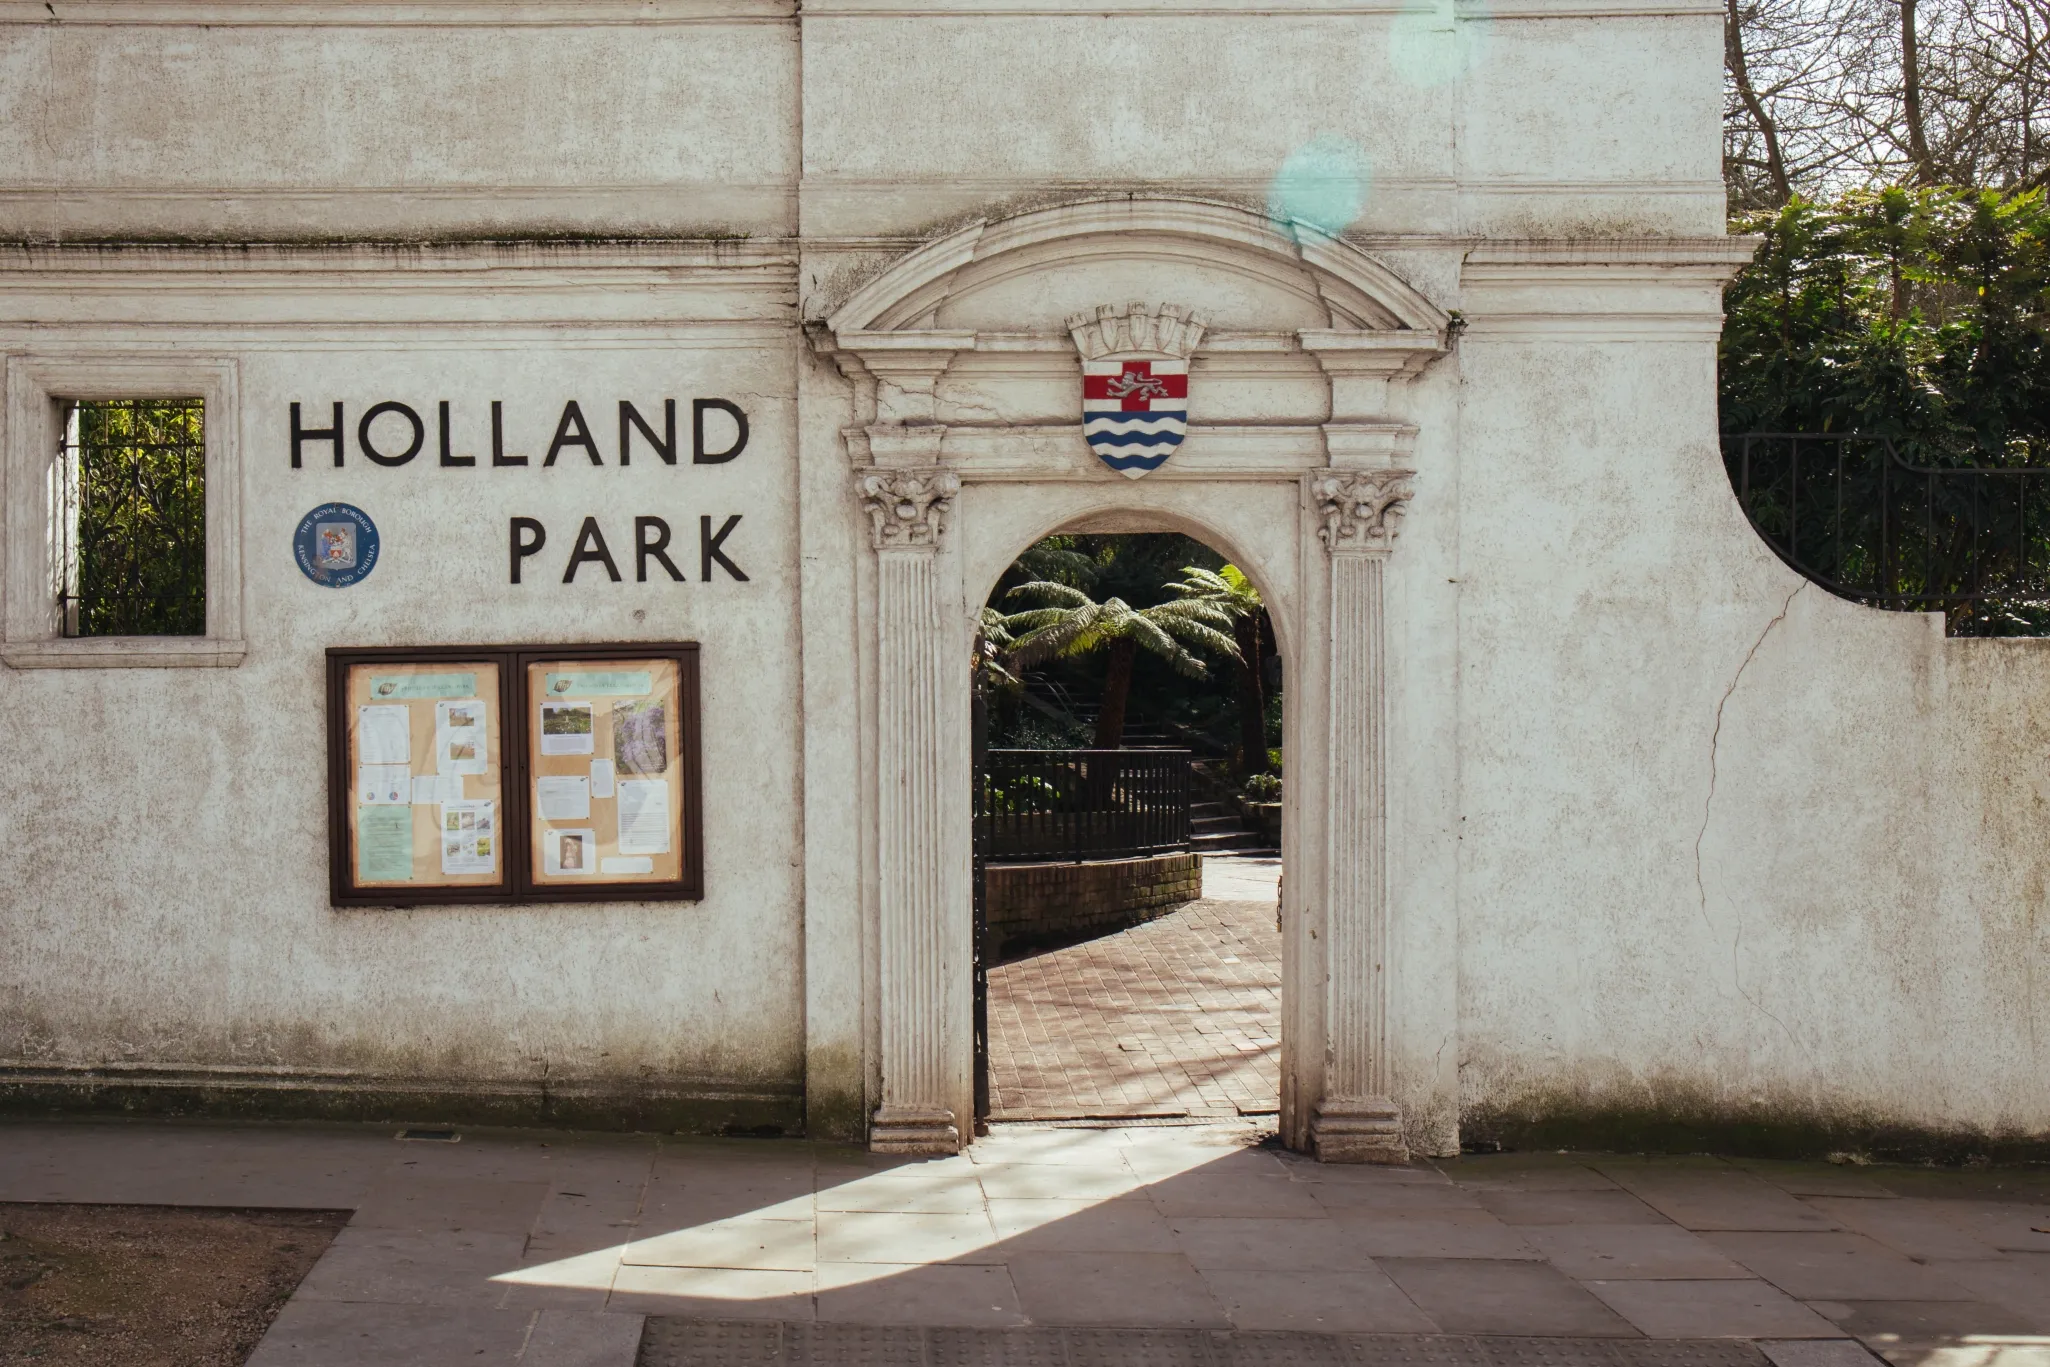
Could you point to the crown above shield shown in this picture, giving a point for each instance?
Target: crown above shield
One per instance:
(1135, 381)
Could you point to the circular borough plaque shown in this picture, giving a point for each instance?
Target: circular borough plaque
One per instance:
(336, 545)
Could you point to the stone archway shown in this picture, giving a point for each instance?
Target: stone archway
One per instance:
(966, 435)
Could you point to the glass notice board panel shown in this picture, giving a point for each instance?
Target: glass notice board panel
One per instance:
(514, 774)
(424, 762)
(605, 772)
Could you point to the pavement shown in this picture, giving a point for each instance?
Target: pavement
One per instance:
(1179, 1017)
(1135, 1244)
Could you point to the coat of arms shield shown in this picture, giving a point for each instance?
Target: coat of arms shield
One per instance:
(1135, 382)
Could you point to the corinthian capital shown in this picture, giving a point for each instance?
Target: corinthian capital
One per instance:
(906, 507)
(1361, 509)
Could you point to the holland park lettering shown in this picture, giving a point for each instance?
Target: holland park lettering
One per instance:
(392, 433)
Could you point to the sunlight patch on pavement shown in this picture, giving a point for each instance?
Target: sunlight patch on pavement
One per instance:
(919, 1214)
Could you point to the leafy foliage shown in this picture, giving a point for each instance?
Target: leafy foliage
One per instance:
(1916, 316)
(1073, 623)
(139, 533)
(1229, 588)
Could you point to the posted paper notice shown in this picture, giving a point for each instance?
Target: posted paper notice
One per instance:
(460, 745)
(601, 778)
(643, 816)
(469, 837)
(383, 785)
(384, 734)
(566, 728)
(569, 852)
(431, 790)
(384, 844)
(563, 797)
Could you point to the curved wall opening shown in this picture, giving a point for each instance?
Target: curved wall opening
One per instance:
(1128, 770)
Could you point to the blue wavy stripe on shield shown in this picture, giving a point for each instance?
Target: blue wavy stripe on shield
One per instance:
(1134, 462)
(1169, 440)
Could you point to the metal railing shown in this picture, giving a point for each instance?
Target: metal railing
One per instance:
(1047, 805)
(1853, 514)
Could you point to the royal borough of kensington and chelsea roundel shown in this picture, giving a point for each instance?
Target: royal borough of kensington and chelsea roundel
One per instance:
(336, 545)
(1135, 382)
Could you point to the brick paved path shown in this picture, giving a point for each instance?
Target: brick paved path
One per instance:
(1179, 1015)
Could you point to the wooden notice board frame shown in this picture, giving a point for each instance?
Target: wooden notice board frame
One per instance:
(516, 730)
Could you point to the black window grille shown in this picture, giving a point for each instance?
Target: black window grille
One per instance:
(134, 474)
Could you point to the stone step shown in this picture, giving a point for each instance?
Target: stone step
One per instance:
(1234, 842)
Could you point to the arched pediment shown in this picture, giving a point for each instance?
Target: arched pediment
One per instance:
(973, 333)
(1018, 274)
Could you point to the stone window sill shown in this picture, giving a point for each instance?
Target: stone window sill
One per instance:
(126, 652)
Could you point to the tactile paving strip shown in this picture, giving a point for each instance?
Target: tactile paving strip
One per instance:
(675, 1342)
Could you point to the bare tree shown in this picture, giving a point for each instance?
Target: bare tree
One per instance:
(1824, 95)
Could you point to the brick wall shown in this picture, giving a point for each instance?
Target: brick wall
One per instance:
(1043, 904)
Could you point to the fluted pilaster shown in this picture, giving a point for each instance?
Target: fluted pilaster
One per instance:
(1356, 1122)
(907, 512)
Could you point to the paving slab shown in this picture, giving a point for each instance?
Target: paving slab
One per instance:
(932, 1294)
(1845, 1267)
(413, 1267)
(1517, 1207)
(561, 1338)
(1726, 1199)
(1251, 1242)
(1919, 1229)
(1748, 1309)
(2019, 1281)
(1359, 1300)
(1434, 1234)
(1481, 1296)
(310, 1333)
(1123, 1226)
(1818, 1353)
(1156, 1290)
(1608, 1252)
(1923, 1321)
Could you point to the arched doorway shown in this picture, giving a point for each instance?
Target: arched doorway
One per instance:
(1128, 938)
(967, 444)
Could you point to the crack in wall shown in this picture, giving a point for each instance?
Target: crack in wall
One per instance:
(1708, 803)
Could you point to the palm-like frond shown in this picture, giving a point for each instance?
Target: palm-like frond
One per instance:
(1227, 587)
(1073, 624)
(1047, 591)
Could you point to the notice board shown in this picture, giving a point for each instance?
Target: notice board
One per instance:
(514, 774)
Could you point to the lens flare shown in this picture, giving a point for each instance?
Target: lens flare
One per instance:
(1324, 184)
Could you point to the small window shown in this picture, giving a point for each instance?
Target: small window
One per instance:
(134, 517)
(121, 526)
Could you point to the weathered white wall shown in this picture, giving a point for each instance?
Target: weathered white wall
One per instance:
(163, 842)
(1734, 850)
(1576, 600)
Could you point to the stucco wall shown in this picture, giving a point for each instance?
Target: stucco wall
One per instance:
(1669, 834)
(1734, 852)
(163, 842)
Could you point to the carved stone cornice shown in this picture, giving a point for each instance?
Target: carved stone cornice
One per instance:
(896, 372)
(907, 509)
(1361, 509)
(1366, 368)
